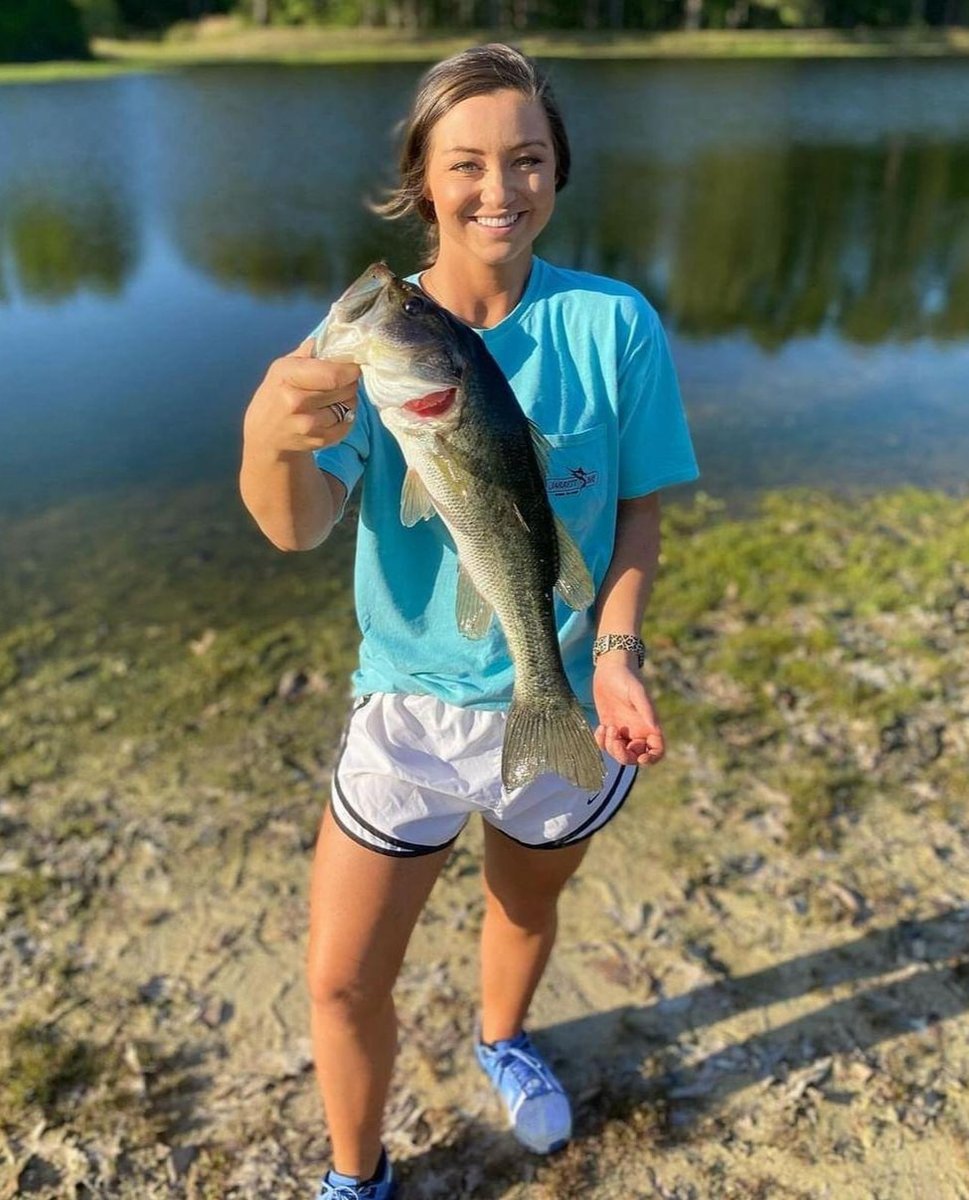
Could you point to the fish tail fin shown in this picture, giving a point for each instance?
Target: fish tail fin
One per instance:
(546, 734)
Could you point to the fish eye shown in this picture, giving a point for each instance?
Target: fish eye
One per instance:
(413, 306)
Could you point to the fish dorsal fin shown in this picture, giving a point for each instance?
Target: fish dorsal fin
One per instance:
(574, 583)
(473, 613)
(415, 500)
(541, 446)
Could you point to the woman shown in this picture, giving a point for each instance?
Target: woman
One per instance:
(485, 152)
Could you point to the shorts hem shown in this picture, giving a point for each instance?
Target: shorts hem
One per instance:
(387, 852)
(579, 835)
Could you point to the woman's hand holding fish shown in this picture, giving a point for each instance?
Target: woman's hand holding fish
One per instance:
(629, 728)
(303, 404)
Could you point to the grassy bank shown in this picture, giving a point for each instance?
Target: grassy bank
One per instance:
(218, 42)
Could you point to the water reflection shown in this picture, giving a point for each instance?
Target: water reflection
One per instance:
(59, 245)
(69, 220)
(873, 243)
(779, 242)
(261, 187)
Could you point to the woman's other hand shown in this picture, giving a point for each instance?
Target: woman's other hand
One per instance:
(303, 404)
(629, 729)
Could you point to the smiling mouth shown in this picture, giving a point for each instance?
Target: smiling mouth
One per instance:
(505, 222)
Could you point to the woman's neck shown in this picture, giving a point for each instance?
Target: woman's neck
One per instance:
(480, 297)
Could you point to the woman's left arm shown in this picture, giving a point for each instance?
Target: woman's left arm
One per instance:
(629, 728)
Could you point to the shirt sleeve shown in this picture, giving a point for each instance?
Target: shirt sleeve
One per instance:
(655, 448)
(347, 459)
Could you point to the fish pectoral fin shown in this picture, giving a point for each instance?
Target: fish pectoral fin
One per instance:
(473, 612)
(541, 446)
(415, 500)
(574, 583)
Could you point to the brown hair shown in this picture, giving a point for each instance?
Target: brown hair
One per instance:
(482, 69)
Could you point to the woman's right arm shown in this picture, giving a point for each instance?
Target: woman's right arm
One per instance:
(294, 503)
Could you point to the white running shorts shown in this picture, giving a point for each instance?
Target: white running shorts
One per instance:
(412, 769)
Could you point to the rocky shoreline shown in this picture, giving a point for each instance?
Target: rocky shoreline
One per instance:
(763, 969)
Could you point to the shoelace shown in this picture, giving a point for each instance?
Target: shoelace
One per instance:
(528, 1071)
(347, 1193)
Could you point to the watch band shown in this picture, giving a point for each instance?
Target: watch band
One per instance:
(618, 641)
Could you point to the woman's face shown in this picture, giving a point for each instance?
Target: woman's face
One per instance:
(491, 177)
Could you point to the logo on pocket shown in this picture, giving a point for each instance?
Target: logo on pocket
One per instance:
(577, 480)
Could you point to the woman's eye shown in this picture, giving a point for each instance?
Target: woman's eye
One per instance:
(528, 160)
(465, 166)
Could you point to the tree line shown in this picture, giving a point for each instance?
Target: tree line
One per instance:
(32, 31)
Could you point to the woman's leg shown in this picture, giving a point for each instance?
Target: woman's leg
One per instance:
(363, 908)
(521, 888)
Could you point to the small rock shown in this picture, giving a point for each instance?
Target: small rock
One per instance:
(179, 1160)
(155, 989)
(202, 644)
(214, 1012)
(296, 1060)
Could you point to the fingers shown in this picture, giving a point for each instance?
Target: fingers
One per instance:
(654, 747)
(313, 374)
(325, 425)
(615, 743)
(647, 748)
(319, 398)
(339, 413)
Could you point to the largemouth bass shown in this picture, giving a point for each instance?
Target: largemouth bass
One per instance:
(475, 459)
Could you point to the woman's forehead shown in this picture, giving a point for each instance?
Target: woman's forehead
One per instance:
(495, 119)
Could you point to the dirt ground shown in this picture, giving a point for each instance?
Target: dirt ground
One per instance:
(736, 1011)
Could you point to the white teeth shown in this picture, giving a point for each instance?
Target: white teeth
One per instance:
(498, 222)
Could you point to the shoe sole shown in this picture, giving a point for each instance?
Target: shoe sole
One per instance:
(554, 1148)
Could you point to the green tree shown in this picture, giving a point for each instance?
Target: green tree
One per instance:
(32, 31)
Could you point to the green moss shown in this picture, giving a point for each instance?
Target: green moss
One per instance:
(44, 1068)
(25, 890)
(819, 797)
(212, 1175)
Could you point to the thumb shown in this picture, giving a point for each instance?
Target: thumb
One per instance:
(304, 349)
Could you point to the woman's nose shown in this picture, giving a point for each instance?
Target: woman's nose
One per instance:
(496, 189)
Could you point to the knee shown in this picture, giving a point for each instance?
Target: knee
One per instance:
(530, 911)
(343, 992)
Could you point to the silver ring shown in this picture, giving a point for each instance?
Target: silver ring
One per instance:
(342, 411)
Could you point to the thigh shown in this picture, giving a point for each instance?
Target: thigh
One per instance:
(363, 908)
(525, 880)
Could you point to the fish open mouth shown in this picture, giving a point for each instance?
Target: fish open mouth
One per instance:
(435, 404)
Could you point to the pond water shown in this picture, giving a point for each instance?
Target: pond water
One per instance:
(802, 227)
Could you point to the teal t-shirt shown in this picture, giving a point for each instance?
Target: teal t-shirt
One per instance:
(589, 362)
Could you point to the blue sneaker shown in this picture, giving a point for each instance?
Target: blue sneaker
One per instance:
(537, 1105)
(347, 1187)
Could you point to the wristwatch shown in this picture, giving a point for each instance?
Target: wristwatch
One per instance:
(618, 641)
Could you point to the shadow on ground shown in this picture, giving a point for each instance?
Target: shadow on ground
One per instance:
(604, 1059)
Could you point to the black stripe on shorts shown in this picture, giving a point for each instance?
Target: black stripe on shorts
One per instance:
(615, 798)
(385, 843)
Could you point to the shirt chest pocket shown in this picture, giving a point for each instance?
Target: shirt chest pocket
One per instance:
(576, 479)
